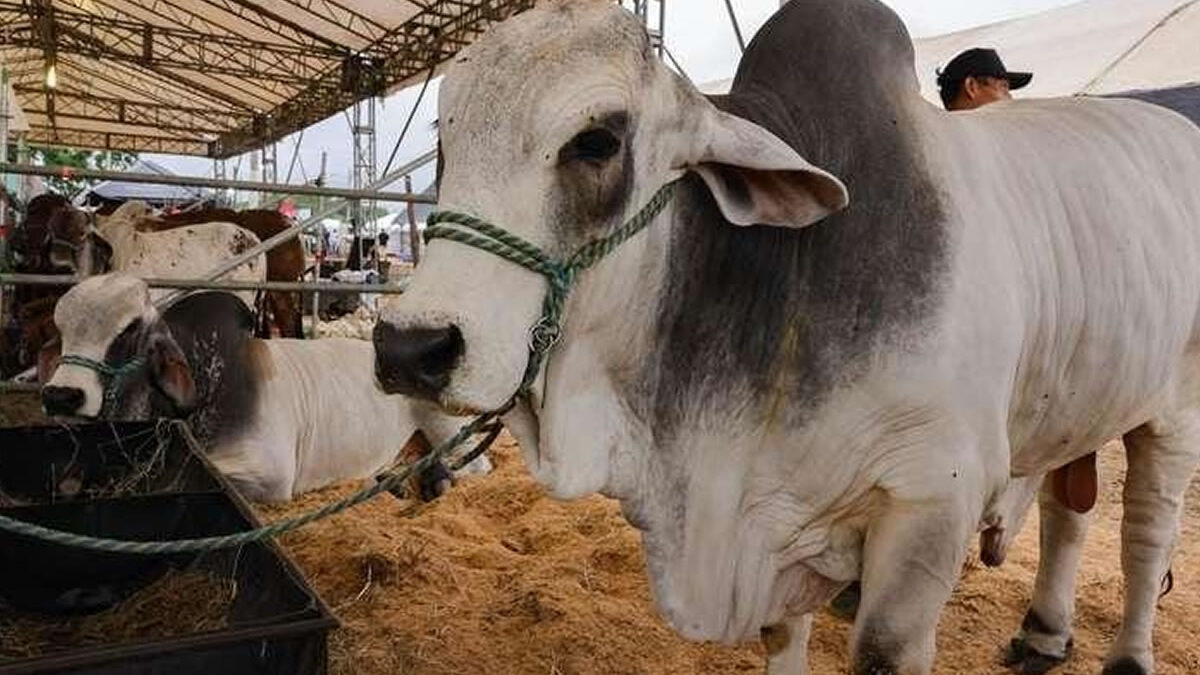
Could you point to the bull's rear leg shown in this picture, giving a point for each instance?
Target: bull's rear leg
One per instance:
(1162, 457)
(911, 561)
(1044, 640)
(787, 646)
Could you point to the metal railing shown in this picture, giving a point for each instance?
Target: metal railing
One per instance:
(216, 285)
(369, 194)
(212, 280)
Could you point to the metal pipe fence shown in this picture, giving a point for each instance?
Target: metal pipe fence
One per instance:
(369, 194)
(218, 285)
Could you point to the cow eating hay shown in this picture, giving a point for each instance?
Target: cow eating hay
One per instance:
(787, 392)
(278, 417)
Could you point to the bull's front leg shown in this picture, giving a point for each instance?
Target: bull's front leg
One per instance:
(912, 557)
(786, 645)
(1162, 458)
(1044, 639)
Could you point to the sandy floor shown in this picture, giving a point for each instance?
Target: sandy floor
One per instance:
(496, 578)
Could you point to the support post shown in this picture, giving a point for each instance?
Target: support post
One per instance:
(270, 171)
(5, 115)
(224, 195)
(321, 251)
(255, 176)
(641, 8)
(414, 237)
(364, 169)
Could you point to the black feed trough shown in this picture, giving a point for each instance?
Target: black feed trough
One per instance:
(62, 610)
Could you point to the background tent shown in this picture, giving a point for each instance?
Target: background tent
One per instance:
(115, 192)
(1148, 48)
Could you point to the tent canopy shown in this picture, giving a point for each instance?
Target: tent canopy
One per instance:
(157, 195)
(219, 77)
(1091, 47)
(1099, 47)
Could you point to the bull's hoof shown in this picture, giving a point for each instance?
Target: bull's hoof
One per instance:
(1024, 659)
(1124, 666)
(845, 605)
(434, 482)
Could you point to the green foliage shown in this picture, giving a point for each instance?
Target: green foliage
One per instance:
(105, 160)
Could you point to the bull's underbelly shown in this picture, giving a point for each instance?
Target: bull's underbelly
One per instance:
(1107, 394)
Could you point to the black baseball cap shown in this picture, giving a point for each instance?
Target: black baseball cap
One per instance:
(979, 62)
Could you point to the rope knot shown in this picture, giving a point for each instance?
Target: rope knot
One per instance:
(544, 335)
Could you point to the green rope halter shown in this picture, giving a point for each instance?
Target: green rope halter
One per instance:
(113, 377)
(560, 276)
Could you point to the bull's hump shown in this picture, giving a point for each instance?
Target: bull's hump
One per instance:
(785, 316)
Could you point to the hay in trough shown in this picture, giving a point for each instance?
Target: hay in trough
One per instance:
(21, 409)
(179, 603)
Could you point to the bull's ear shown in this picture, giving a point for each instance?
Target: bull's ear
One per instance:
(48, 357)
(755, 177)
(170, 370)
(102, 252)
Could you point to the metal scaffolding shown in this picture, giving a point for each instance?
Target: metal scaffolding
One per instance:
(363, 171)
(655, 21)
(370, 191)
(219, 77)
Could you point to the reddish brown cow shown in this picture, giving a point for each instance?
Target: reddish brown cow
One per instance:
(32, 306)
(284, 262)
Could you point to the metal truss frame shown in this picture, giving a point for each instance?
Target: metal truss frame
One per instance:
(216, 77)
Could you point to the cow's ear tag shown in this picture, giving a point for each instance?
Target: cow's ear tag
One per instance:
(756, 178)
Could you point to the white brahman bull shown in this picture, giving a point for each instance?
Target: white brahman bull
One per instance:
(187, 252)
(278, 417)
(799, 376)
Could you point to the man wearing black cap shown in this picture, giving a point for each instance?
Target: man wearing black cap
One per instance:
(977, 77)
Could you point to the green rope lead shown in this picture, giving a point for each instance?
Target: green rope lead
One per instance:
(115, 376)
(204, 544)
(560, 276)
(543, 335)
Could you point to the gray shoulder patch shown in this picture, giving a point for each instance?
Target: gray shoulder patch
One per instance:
(779, 317)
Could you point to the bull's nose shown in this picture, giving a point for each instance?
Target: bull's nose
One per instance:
(416, 361)
(61, 400)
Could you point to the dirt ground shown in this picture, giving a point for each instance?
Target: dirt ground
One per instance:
(497, 578)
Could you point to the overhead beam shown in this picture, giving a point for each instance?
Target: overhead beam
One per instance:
(430, 37)
(190, 181)
(121, 111)
(147, 44)
(337, 14)
(41, 36)
(41, 134)
(275, 24)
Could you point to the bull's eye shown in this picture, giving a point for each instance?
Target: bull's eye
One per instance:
(593, 145)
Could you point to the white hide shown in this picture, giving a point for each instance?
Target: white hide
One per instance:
(88, 318)
(319, 420)
(188, 252)
(1068, 317)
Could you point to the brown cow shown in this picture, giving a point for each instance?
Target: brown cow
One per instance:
(32, 306)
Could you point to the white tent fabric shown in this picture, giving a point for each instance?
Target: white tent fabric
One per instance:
(1091, 47)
